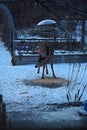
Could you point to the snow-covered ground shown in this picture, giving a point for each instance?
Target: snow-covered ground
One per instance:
(21, 97)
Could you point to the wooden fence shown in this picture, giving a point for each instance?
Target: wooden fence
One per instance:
(27, 49)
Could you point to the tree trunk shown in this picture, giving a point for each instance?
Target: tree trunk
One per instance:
(83, 33)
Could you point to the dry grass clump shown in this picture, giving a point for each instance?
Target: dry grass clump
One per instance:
(47, 82)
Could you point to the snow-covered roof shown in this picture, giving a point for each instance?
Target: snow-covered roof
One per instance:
(47, 22)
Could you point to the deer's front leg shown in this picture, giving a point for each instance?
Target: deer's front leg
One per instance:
(38, 70)
(43, 72)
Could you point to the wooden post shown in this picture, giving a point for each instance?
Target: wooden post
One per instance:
(2, 114)
(0, 99)
(83, 33)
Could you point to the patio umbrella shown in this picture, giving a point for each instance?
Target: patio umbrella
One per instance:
(46, 28)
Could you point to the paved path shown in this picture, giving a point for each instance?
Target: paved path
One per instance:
(44, 120)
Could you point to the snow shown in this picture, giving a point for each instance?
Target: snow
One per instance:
(47, 22)
(16, 94)
(64, 52)
(27, 36)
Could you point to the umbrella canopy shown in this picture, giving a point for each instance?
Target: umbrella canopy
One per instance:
(46, 28)
(46, 22)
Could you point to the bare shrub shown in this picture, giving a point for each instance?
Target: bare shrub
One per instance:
(75, 84)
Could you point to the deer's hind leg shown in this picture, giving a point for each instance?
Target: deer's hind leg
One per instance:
(43, 72)
(46, 69)
(52, 69)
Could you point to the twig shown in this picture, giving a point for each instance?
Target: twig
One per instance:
(82, 93)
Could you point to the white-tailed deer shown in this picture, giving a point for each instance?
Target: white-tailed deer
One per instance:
(46, 53)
